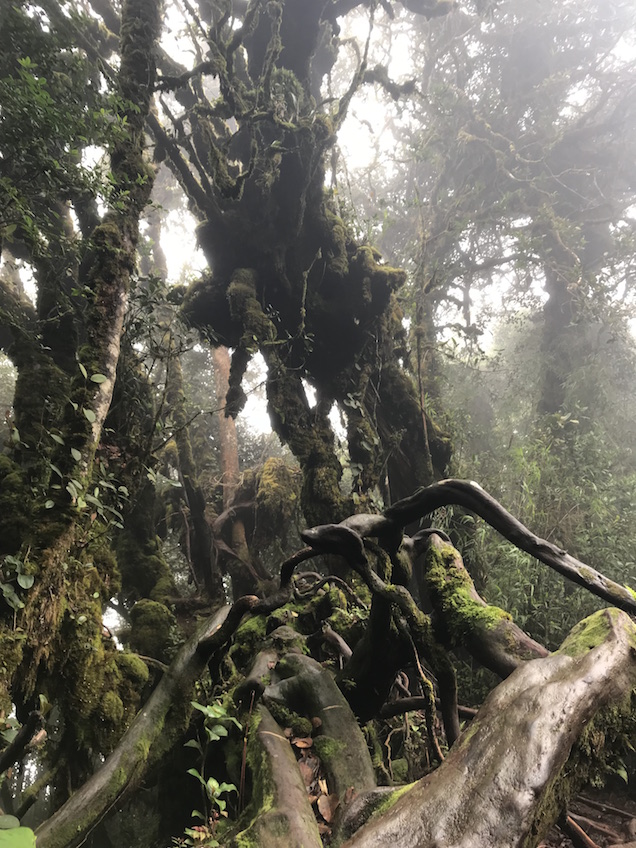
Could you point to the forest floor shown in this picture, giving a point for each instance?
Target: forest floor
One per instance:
(605, 817)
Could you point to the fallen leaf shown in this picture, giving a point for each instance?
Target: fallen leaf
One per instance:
(303, 742)
(327, 806)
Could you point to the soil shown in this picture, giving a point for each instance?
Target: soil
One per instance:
(604, 817)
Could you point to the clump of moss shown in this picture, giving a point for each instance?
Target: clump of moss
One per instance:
(153, 629)
(276, 501)
(14, 500)
(248, 640)
(300, 725)
(11, 650)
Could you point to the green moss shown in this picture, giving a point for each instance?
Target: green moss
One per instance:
(153, 629)
(285, 717)
(328, 749)
(111, 708)
(452, 593)
(15, 498)
(11, 653)
(132, 667)
(590, 632)
(277, 500)
(248, 640)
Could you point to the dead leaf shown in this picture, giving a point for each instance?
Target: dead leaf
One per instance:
(303, 742)
(322, 783)
(307, 771)
(327, 806)
(316, 722)
(350, 795)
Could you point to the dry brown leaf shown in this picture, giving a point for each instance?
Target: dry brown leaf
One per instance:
(350, 795)
(316, 722)
(307, 771)
(327, 806)
(303, 742)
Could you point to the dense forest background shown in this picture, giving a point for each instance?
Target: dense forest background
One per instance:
(275, 265)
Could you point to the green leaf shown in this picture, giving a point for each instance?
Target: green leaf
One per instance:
(18, 837)
(196, 774)
(83, 370)
(56, 438)
(99, 378)
(76, 454)
(49, 504)
(89, 415)
(8, 822)
(26, 580)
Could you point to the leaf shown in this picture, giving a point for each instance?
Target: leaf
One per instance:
(83, 370)
(56, 438)
(305, 742)
(18, 837)
(76, 454)
(26, 580)
(49, 504)
(99, 378)
(89, 415)
(196, 774)
(327, 806)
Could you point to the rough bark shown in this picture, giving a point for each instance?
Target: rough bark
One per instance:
(464, 620)
(507, 779)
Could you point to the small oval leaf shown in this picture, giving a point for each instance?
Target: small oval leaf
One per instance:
(76, 454)
(26, 580)
(89, 415)
(99, 378)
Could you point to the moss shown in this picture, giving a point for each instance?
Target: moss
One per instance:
(11, 652)
(111, 708)
(590, 632)
(328, 749)
(277, 499)
(153, 629)
(14, 510)
(285, 717)
(248, 640)
(451, 591)
(132, 667)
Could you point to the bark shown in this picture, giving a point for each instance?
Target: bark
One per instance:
(464, 620)
(148, 737)
(511, 774)
(471, 496)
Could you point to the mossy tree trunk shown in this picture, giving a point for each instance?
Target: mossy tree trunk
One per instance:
(66, 350)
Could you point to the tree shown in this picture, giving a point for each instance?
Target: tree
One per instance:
(102, 440)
